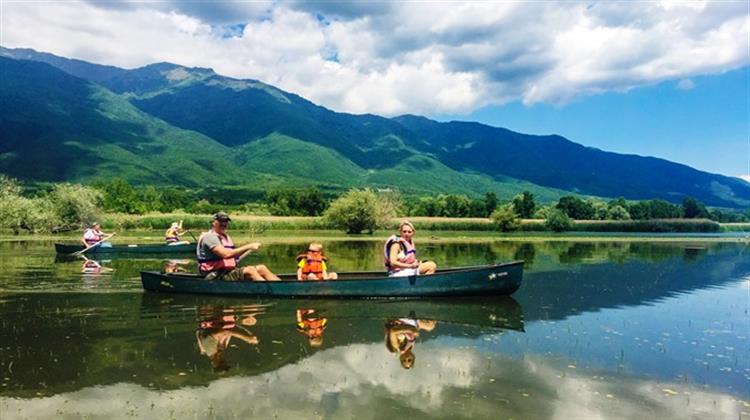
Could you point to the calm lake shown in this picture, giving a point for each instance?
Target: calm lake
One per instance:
(599, 329)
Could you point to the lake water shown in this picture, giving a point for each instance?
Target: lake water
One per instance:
(599, 329)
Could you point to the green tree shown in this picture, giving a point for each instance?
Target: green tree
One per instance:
(457, 206)
(490, 203)
(543, 212)
(359, 210)
(173, 199)
(120, 196)
(618, 213)
(296, 202)
(558, 221)
(693, 209)
(576, 208)
(478, 208)
(505, 218)
(599, 208)
(524, 205)
(203, 206)
(661, 209)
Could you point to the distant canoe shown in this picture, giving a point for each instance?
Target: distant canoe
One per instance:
(498, 279)
(128, 249)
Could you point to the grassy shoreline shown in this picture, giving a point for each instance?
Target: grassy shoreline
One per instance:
(260, 224)
(423, 236)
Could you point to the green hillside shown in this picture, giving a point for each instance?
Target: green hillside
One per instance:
(57, 127)
(299, 161)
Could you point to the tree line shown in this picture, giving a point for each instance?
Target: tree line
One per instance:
(61, 207)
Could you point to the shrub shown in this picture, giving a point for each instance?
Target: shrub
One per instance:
(74, 206)
(360, 210)
(558, 221)
(505, 218)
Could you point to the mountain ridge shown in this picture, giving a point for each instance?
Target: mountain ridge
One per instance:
(237, 112)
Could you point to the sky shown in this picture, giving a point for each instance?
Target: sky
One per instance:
(668, 79)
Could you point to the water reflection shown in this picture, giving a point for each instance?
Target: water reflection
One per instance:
(176, 266)
(218, 325)
(311, 325)
(93, 268)
(401, 335)
(600, 329)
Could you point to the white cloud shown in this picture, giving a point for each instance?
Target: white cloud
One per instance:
(398, 57)
(365, 381)
(686, 84)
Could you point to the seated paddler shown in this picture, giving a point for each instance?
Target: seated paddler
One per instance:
(173, 233)
(218, 256)
(93, 235)
(400, 254)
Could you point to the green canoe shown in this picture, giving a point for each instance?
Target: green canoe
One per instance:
(127, 249)
(495, 279)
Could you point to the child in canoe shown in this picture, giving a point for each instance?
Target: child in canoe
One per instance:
(311, 264)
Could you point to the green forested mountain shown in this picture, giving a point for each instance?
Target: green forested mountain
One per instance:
(170, 124)
(58, 127)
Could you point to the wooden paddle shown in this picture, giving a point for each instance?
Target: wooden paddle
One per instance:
(191, 234)
(94, 244)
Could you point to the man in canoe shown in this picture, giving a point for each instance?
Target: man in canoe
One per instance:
(218, 257)
(400, 254)
(94, 234)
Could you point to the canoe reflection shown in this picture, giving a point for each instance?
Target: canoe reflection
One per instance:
(217, 327)
(401, 335)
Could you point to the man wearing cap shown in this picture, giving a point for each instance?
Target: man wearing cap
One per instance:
(218, 257)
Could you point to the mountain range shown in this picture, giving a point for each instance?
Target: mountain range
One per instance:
(70, 120)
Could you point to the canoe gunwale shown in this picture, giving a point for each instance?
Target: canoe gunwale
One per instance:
(156, 248)
(493, 279)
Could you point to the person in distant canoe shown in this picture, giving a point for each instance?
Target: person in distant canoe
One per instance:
(173, 233)
(311, 264)
(400, 254)
(218, 257)
(93, 235)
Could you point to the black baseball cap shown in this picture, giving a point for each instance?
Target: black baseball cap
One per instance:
(221, 216)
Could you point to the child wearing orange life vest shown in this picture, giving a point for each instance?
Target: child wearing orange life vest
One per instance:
(311, 265)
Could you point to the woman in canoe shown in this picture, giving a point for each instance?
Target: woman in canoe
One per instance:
(400, 254)
(94, 234)
(172, 235)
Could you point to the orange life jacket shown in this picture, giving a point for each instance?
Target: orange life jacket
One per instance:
(171, 235)
(218, 264)
(407, 247)
(313, 263)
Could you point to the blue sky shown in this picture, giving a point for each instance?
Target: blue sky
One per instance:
(706, 126)
(659, 78)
